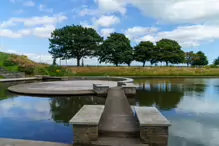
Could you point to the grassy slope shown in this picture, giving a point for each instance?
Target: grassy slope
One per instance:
(16, 58)
(147, 71)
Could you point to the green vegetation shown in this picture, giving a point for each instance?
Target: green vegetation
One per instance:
(146, 71)
(116, 49)
(216, 61)
(80, 42)
(74, 42)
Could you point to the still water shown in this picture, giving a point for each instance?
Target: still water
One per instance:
(191, 105)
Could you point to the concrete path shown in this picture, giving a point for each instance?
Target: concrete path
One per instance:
(117, 118)
(14, 142)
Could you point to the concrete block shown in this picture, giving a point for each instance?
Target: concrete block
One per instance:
(100, 89)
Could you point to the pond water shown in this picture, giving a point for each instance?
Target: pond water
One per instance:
(191, 105)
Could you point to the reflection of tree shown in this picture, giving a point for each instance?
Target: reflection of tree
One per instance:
(64, 108)
(167, 93)
(164, 95)
(4, 93)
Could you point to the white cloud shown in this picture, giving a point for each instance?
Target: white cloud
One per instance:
(86, 11)
(187, 36)
(9, 33)
(111, 6)
(44, 31)
(179, 11)
(137, 31)
(33, 21)
(106, 21)
(43, 8)
(107, 31)
(29, 3)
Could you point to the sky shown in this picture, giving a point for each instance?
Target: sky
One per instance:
(26, 25)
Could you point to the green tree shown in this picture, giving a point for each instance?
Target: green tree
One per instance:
(189, 58)
(170, 52)
(114, 48)
(128, 57)
(200, 59)
(216, 61)
(74, 41)
(143, 52)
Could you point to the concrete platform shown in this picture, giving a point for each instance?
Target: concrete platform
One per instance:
(15, 142)
(74, 87)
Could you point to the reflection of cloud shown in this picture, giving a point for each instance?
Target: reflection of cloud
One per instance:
(195, 132)
(25, 108)
(198, 106)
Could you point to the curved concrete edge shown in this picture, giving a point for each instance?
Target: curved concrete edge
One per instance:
(17, 89)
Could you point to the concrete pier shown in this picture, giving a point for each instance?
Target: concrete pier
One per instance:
(118, 126)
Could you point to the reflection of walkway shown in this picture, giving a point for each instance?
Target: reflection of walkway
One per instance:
(118, 126)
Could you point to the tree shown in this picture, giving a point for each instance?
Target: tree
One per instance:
(114, 48)
(170, 52)
(143, 52)
(200, 59)
(216, 61)
(189, 58)
(74, 42)
(128, 57)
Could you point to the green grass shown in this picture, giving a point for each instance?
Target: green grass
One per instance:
(3, 57)
(146, 71)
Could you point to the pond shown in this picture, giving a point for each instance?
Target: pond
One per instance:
(191, 105)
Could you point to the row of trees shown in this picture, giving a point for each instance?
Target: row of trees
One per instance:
(80, 42)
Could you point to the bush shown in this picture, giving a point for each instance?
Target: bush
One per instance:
(27, 69)
(54, 70)
(9, 63)
(41, 71)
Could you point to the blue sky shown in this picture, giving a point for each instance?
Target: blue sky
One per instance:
(25, 25)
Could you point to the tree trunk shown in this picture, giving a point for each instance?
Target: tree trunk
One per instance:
(143, 64)
(116, 64)
(166, 63)
(78, 62)
(129, 65)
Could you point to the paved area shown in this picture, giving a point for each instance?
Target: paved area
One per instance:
(75, 87)
(14, 142)
(118, 117)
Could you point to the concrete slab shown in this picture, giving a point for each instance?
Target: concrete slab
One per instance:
(150, 116)
(15, 142)
(74, 87)
(88, 115)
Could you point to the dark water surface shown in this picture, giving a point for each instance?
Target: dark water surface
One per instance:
(191, 105)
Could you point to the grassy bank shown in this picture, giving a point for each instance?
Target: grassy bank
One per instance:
(140, 71)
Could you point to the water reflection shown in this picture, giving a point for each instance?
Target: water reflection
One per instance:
(62, 109)
(191, 105)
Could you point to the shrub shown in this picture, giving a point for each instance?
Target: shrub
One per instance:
(9, 63)
(54, 70)
(27, 69)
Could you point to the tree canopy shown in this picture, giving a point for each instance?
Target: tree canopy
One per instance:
(216, 61)
(200, 59)
(116, 49)
(77, 42)
(170, 52)
(74, 41)
(144, 52)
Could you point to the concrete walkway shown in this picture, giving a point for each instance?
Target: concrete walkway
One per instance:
(117, 118)
(14, 142)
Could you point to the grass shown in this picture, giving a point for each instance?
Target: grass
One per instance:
(146, 71)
